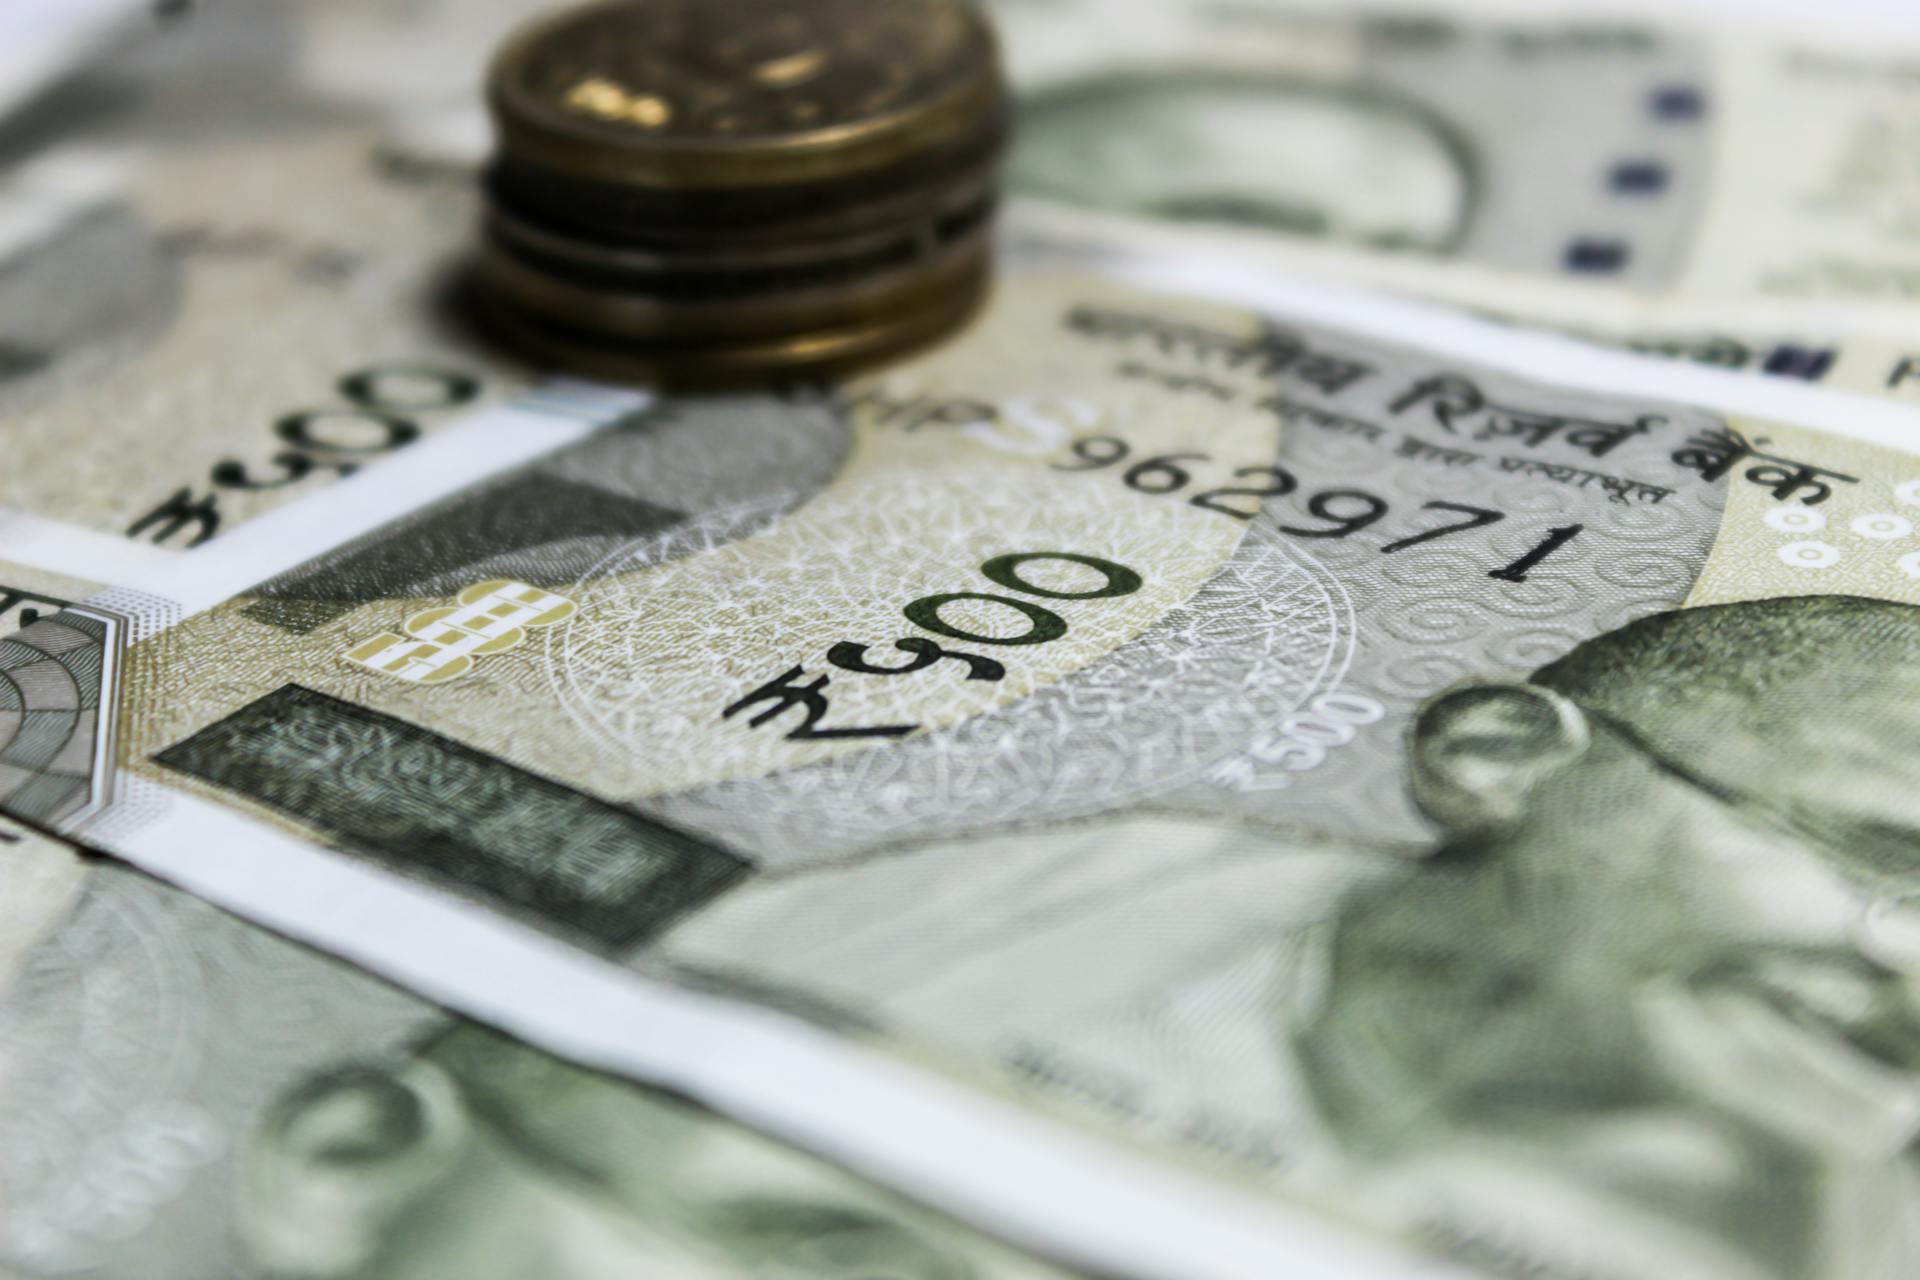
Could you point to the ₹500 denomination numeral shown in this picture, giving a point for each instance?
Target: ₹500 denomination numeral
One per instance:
(380, 413)
(1042, 625)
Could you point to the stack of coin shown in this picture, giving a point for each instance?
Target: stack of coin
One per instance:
(709, 191)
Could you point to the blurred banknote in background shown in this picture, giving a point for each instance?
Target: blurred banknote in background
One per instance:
(1201, 775)
(1686, 192)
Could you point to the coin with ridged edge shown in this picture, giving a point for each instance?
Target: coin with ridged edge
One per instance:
(698, 191)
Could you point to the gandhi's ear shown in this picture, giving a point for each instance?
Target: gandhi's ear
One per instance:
(1479, 748)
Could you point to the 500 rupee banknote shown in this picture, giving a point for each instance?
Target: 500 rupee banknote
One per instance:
(1207, 789)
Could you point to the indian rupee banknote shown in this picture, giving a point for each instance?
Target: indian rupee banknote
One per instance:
(1210, 788)
(226, 258)
(184, 1095)
(1665, 186)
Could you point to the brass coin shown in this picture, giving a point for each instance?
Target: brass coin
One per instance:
(724, 310)
(728, 94)
(705, 364)
(708, 191)
(913, 188)
(730, 263)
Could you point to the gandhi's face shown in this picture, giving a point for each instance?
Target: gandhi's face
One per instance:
(1258, 151)
(1765, 975)
(403, 1173)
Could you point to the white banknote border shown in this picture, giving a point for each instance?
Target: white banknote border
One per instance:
(1068, 1193)
(73, 551)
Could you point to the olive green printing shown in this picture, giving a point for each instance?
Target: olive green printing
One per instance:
(1662, 955)
(279, 1115)
(1248, 150)
(1643, 1006)
(474, 1155)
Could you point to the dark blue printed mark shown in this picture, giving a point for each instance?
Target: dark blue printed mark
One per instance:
(1593, 257)
(1638, 177)
(1678, 102)
(1807, 363)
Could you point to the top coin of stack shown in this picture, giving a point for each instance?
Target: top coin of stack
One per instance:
(713, 191)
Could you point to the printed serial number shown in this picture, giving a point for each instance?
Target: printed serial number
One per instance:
(1342, 512)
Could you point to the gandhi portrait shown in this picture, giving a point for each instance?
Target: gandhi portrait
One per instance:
(472, 1155)
(1324, 161)
(1666, 955)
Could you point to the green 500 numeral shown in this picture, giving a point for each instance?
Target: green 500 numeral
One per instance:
(1043, 624)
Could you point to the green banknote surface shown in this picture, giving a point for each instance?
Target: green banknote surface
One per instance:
(1725, 195)
(225, 259)
(1478, 806)
(182, 1094)
(185, 1095)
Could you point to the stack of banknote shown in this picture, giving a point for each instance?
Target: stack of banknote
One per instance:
(1361, 720)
